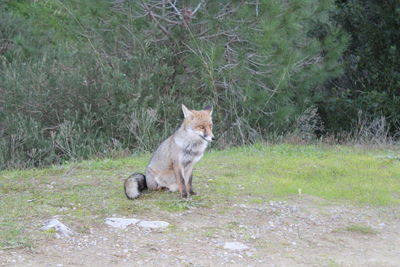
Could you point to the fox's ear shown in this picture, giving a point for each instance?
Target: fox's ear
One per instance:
(209, 108)
(186, 112)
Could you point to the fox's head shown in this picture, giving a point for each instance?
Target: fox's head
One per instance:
(199, 122)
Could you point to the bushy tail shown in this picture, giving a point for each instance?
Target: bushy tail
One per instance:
(134, 185)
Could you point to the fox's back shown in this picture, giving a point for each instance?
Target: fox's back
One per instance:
(161, 158)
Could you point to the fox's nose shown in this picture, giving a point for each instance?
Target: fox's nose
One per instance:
(213, 138)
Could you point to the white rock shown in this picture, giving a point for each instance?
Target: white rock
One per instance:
(120, 222)
(123, 223)
(153, 224)
(235, 246)
(59, 227)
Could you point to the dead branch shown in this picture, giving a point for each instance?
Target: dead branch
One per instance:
(176, 9)
(197, 8)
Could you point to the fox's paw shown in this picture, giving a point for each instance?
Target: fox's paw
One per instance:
(192, 193)
(184, 194)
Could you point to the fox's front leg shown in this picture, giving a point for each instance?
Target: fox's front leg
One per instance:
(178, 171)
(189, 178)
(190, 188)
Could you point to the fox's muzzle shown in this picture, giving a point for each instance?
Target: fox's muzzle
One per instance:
(206, 138)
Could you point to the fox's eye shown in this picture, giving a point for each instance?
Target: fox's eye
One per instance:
(201, 127)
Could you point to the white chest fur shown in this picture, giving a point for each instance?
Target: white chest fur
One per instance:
(191, 151)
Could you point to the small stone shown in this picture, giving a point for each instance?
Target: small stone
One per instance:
(153, 224)
(123, 223)
(235, 246)
(120, 222)
(61, 229)
(249, 254)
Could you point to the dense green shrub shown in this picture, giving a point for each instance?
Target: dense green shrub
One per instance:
(82, 80)
(370, 86)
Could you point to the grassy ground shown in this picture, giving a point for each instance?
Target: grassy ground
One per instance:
(87, 192)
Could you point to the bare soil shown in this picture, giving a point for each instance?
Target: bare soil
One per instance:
(300, 231)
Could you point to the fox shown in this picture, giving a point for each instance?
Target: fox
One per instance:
(171, 165)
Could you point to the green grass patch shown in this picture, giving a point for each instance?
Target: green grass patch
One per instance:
(334, 173)
(360, 229)
(12, 235)
(87, 192)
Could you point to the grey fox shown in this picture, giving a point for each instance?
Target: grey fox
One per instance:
(172, 163)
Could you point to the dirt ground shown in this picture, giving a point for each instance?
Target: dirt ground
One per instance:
(301, 231)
